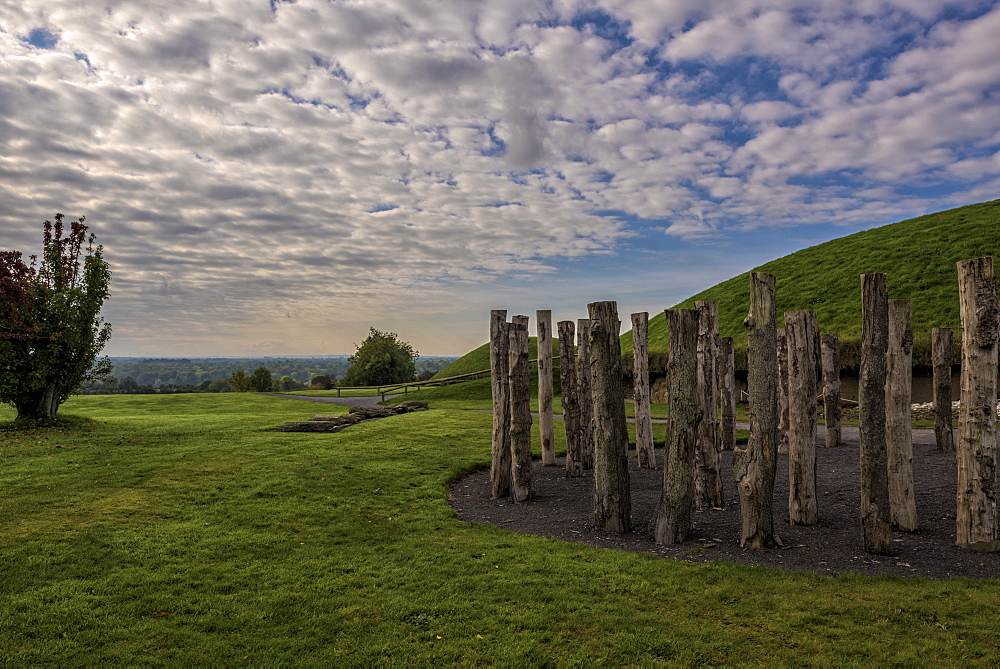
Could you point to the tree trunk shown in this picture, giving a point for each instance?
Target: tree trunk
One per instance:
(802, 336)
(520, 412)
(727, 392)
(871, 398)
(543, 323)
(586, 394)
(612, 496)
(40, 406)
(782, 391)
(673, 515)
(831, 388)
(708, 475)
(570, 399)
(976, 449)
(645, 456)
(500, 465)
(941, 359)
(898, 436)
(754, 467)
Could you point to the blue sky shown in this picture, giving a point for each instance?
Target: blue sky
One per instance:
(276, 177)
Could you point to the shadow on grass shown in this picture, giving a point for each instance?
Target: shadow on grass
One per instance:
(61, 423)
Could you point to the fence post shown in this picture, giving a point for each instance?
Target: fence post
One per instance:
(708, 478)
(727, 392)
(975, 451)
(782, 391)
(871, 398)
(522, 488)
(570, 399)
(500, 466)
(586, 393)
(543, 326)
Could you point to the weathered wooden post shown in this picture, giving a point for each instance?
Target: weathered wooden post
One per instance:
(612, 496)
(941, 339)
(570, 399)
(500, 467)
(871, 398)
(522, 488)
(645, 456)
(727, 392)
(586, 394)
(754, 467)
(673, 514)
(830, 345)
(708, 477)
(546, 433)
(898, 434)
(782, 391)
(976, 449)
(802, 336)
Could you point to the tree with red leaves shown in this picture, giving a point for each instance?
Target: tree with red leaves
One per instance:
(50, 326)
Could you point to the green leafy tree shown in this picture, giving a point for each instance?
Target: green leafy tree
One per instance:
(261, 381)
(239, 382)
(286, 383)
(382, 358)
(321, 382)
(50, 326)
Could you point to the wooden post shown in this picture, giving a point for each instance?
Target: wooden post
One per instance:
(871, 398)
(727, 392)
(754, 467)
(543, 324)
(570, 399)
(976, 449)
(586, 394)
(673, 515)
(522, 488)
(708, 477)
(830, 345)
(500, 377)
(782, 391)
(645, 456)
(802, 336)
(941, 343)
(898, 435)
(612, 497)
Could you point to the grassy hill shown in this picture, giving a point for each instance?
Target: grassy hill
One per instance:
(918, 255)
(478, 359)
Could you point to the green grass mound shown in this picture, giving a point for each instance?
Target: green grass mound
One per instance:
(478, 359)
(918, 255)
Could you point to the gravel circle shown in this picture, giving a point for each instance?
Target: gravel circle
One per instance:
(563, 509)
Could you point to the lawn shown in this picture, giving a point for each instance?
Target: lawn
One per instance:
(181, 529)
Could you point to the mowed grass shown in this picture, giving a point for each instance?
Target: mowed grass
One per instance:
(181, 529)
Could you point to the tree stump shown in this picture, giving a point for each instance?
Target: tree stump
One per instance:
(586, 394)
(871, 398)
(782, 391)
(546, 433)
(673, 514)
(708, 475)
(754, 467)
(500, 465)
(975, 451)
(898, 433)
(727, 392)
(645, 456)
(612, 496)
(830, 347)
(802, 336)
(570, 399)
(941, 353)
(522, 488)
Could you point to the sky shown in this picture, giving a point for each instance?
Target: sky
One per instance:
(274, 178)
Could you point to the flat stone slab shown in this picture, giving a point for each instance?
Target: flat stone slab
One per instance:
(324, 423)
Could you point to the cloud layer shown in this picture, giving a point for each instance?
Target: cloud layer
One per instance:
(297, 171)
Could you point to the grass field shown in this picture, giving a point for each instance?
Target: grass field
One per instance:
(181, 529)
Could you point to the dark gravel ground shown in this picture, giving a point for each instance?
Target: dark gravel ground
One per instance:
(563, 509)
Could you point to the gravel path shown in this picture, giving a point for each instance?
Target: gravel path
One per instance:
(345, 401)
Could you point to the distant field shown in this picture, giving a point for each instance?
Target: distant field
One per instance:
(183, 530)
